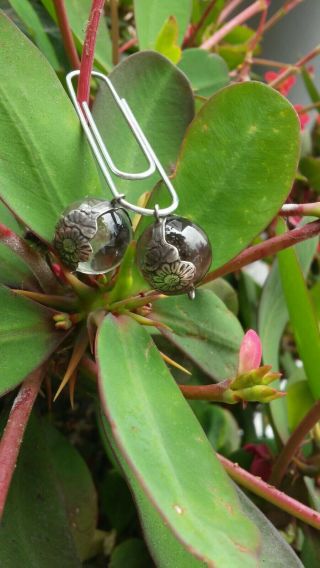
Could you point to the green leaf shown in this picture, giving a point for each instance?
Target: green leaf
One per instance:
(205, 330)
(225, 292)
(162, 101)
(78, 16)
(80, 499)
(166, 43)
(156, 438)
(219, 425)
(131, 553)
(299, 401)
(275, 552)
(116, 501)
(241, 133)
(44, 164)
(13, 272)
(34, 26)
(207, 72)
(150, 15)
(310, 168)
(235, 46)
(310, 86)
(27, 337)
(302, 316)
(273, 317)
(167, 551)
(36, 530)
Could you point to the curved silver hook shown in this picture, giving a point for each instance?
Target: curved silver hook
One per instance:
(103, 157)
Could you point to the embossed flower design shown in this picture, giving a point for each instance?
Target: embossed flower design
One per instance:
(173, 276)
(72, 246)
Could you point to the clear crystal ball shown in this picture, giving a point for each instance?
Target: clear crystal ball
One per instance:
(92, 236)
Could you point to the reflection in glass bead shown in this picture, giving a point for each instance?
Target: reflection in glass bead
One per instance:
(173, 255)
(92, 236)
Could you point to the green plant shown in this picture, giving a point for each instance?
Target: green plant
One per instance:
(157, 384)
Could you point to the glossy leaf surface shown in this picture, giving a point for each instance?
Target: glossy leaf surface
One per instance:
(27, 337)
(205, 330)
(166, 448)
(236, 165)
(45, 164)
(161, 99)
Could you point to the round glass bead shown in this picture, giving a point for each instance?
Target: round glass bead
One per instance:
(173, 255)
(92, 236)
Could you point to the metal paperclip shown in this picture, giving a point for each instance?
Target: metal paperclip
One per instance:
(103, 157)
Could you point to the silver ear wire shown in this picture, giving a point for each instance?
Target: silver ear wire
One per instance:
(103, 157)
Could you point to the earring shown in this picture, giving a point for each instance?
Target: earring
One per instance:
(92, 236)
(174, 255)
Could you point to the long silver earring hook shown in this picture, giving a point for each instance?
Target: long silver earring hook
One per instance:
(103, 157)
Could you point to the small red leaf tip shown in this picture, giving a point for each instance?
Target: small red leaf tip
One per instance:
(250, 352)
(5, 231)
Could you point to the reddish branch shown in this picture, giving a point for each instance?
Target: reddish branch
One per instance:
(293, 444)
(66, 33)
(88, 50)
(212, 392)
(190, 40)
(267, 248)
(239, 19)
(283, 11)
(293, 69)
(13, 434)
(128, 44)
(271, 494)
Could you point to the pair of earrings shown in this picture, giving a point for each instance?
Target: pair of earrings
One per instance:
(92, 235)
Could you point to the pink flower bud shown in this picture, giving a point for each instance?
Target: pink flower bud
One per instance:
(250, 352)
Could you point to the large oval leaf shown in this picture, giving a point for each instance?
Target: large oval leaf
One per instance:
(27, 337)
(168, 551)
(150, 15)
(162, 101)
(205, 330)
(237, 164)
(44, 163)
(50, 514)
(164, 445)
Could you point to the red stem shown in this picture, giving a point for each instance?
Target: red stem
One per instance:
(88, 51)
(293, 444)
(293, 69)
(283, 11)
(213, 392)
(13, 434)
(270, 493)
(267, 248)
(190, 40)
(66, 33)
(239, 19)
(130, 43)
